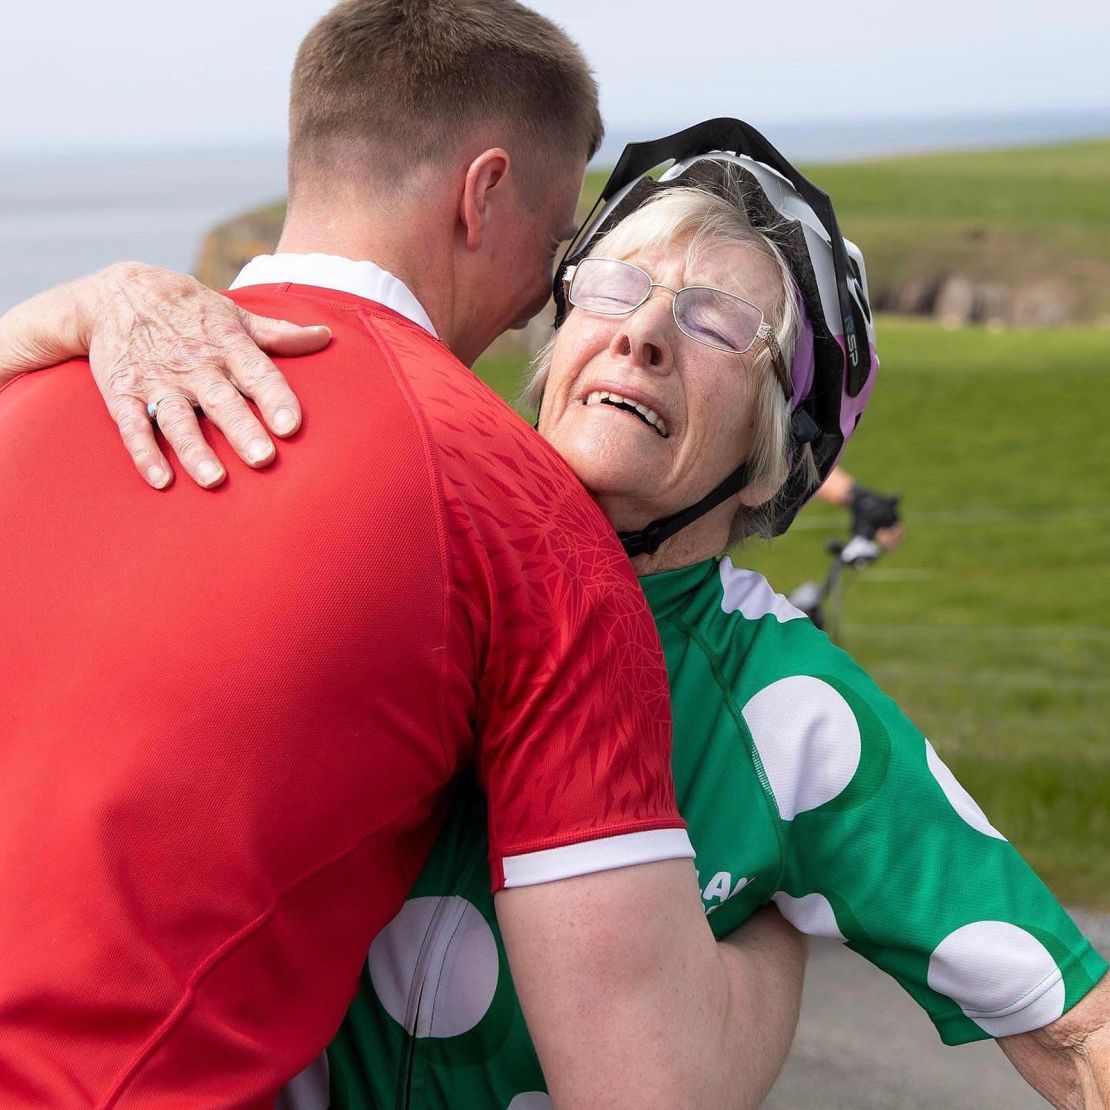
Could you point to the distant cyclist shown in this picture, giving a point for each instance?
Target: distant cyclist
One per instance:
(700, 385)
(874, 515)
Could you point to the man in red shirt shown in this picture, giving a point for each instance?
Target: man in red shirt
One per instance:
(195, 856)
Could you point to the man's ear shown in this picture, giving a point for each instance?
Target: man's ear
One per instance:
(485, 182)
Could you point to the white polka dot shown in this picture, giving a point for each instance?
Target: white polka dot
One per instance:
(308, 1090)
(808, 742)
(750, 594)
(451, 944)
(530, 1100)
(1002, 977)
(811, 914)
(958, 798)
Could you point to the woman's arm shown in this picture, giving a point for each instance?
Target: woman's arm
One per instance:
(1068, 1061)
(910, 871)
(766, 961)
(150, 332)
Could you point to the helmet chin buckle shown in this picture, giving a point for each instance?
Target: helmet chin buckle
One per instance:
(644, 542)
(649, 538)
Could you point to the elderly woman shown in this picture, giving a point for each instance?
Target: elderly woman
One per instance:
(694, 358)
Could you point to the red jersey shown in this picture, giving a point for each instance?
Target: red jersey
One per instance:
(229, 718)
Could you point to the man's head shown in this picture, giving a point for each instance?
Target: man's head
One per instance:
(393, 86)
(480, 114)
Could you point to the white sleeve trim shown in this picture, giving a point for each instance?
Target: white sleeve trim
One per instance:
(590, 856)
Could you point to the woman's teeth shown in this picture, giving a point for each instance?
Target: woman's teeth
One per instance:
(648, 414)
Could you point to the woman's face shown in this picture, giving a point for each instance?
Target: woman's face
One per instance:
(704, 397)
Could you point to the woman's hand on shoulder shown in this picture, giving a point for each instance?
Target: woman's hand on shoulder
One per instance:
(153, 336)
(161, 339)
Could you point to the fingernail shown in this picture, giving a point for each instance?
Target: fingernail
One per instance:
(259, 450)
(285, 420)
(158, 476)
(210, 473)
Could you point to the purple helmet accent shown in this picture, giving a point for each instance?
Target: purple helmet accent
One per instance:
(851, 408)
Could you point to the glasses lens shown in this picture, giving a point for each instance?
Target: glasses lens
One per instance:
(608, 286)
(717, 318)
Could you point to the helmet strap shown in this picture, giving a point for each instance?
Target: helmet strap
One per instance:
(648, 539)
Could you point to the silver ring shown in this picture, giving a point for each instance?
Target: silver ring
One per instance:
(152, 408)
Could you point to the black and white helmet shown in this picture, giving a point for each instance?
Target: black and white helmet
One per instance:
(834, 363)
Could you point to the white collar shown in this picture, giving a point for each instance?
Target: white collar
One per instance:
(330, 271)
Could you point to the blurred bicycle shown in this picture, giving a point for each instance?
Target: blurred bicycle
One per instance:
(876, 529)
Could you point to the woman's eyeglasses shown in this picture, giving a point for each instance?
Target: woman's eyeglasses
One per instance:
(711, 316)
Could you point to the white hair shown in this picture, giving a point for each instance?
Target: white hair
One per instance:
(705, 220)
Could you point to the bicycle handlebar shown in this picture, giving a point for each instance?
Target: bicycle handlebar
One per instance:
(858, 551)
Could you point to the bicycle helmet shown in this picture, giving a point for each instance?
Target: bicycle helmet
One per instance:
(834, 363)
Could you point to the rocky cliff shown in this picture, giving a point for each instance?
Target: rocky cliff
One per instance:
(1016, 238)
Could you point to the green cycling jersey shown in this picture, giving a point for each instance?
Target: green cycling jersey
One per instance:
(801, 784)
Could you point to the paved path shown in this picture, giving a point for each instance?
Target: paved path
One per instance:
(863, 1043)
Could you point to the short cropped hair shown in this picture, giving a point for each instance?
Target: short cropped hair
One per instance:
(701, 220)
(397, 84)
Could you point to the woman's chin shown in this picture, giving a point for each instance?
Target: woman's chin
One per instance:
(627, 494)
(606, 471)
(613, 456)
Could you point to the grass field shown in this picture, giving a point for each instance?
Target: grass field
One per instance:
(989, 625)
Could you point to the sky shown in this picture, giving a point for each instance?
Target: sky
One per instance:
(132, 73)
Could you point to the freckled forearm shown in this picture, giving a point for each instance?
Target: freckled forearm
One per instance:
(1066, 1076)
(41, 332)
(1068, 1061)
(52, 326)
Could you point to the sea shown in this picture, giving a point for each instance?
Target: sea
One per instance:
(63, 214)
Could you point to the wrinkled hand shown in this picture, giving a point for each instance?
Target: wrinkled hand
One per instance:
(153, 332)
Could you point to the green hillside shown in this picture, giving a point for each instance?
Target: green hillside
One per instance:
(1030, 189)
(1008, 236)
(1027, 189)
(1033, 219)
(1022, 218)
(989, 625)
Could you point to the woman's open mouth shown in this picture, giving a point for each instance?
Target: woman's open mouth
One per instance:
(648, 415)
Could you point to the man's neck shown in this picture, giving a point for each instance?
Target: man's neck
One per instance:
(408, 245)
